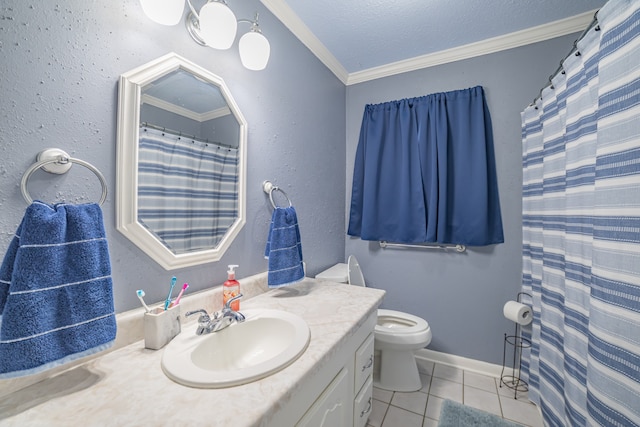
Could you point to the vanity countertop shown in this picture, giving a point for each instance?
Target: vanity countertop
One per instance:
(128, 388)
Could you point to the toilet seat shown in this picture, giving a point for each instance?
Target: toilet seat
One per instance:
(395, 328)
(398, 322)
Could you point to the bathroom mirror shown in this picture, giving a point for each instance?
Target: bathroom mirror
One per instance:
(181, 154)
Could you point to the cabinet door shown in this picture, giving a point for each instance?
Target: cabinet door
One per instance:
(334, 407)
(362, 404)
(363, 362)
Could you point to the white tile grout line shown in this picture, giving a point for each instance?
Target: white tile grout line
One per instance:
(429, 395)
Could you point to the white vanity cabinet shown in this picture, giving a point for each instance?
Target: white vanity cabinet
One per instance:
(340, 393)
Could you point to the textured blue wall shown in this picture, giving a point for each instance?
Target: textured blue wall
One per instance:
(461, 295)
(59, 78)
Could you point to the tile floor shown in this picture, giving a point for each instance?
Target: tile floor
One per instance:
(440, 382)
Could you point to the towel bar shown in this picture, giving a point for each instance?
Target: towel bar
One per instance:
(54, 160)
(269, 188)
(458, 248)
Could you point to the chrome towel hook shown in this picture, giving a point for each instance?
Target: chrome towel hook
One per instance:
(269, 188)
(55, 160)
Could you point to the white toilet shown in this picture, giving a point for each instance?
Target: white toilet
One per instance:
(397, 335)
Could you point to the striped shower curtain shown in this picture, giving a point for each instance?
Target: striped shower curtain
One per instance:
(581, 230)
(187, 190)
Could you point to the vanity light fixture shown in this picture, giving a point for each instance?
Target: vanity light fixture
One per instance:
(167, 12)
(214, 26)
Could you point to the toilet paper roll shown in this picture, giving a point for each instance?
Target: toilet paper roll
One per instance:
(518, 312)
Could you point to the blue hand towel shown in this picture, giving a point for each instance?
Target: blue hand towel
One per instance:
(284, 250)
(56, 296)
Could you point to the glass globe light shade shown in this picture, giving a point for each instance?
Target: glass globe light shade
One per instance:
(166, 12)
(218, 25)
(254, 50)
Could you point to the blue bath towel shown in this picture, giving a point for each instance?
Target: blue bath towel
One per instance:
(284, 249)
(56, 296)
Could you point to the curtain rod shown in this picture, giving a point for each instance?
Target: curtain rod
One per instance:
(180, 134)
(594, 23)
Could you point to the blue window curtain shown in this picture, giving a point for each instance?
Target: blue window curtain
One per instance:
(187, 190)
(425, 172)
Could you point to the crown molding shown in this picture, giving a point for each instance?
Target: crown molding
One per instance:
(508, 41)
(182, 111)
(524, 37)
(287, 16)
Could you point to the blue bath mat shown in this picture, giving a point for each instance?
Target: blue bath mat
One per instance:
(455, 414)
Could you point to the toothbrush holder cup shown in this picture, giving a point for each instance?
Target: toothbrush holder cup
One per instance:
(160, 326)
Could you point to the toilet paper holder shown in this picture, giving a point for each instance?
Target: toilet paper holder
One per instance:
(517, 343)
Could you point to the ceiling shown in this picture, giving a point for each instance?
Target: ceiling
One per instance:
(182, 90)
(361, 40)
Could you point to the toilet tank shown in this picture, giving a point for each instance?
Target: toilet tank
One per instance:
(338, 273)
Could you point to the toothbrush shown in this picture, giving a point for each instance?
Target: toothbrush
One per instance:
(140, 294)
(177, 301)
(168, 300)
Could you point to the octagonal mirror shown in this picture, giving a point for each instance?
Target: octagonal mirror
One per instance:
(181, 150)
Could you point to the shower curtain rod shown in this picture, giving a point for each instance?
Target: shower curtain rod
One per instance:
(594, 23)
(180, 134)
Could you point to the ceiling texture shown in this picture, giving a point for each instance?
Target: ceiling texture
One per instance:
(361, 40)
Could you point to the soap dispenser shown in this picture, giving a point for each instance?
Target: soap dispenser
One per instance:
(231, 288)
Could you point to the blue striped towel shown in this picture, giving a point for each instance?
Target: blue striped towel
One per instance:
(284, 249)
(56, 296)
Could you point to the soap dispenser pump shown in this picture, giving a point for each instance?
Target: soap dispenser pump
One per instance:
(231, 288)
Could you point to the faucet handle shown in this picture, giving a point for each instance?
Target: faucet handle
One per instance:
(204, 316)
(228, 311)
(239, 317)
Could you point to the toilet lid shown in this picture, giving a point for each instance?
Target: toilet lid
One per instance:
(337, 273)
(355, 273)
(398, 322)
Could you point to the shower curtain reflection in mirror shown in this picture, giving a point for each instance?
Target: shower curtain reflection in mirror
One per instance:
(187, 190)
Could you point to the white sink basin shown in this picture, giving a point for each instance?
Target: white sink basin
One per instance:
(266, 342)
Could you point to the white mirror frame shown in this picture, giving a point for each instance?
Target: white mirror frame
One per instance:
(129, 94)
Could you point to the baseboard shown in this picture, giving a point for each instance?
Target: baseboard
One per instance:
(477, 366)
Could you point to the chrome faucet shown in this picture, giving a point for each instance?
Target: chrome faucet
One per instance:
(220, 320)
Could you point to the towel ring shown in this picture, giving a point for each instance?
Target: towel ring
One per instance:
(54, 160)
(269, 188)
